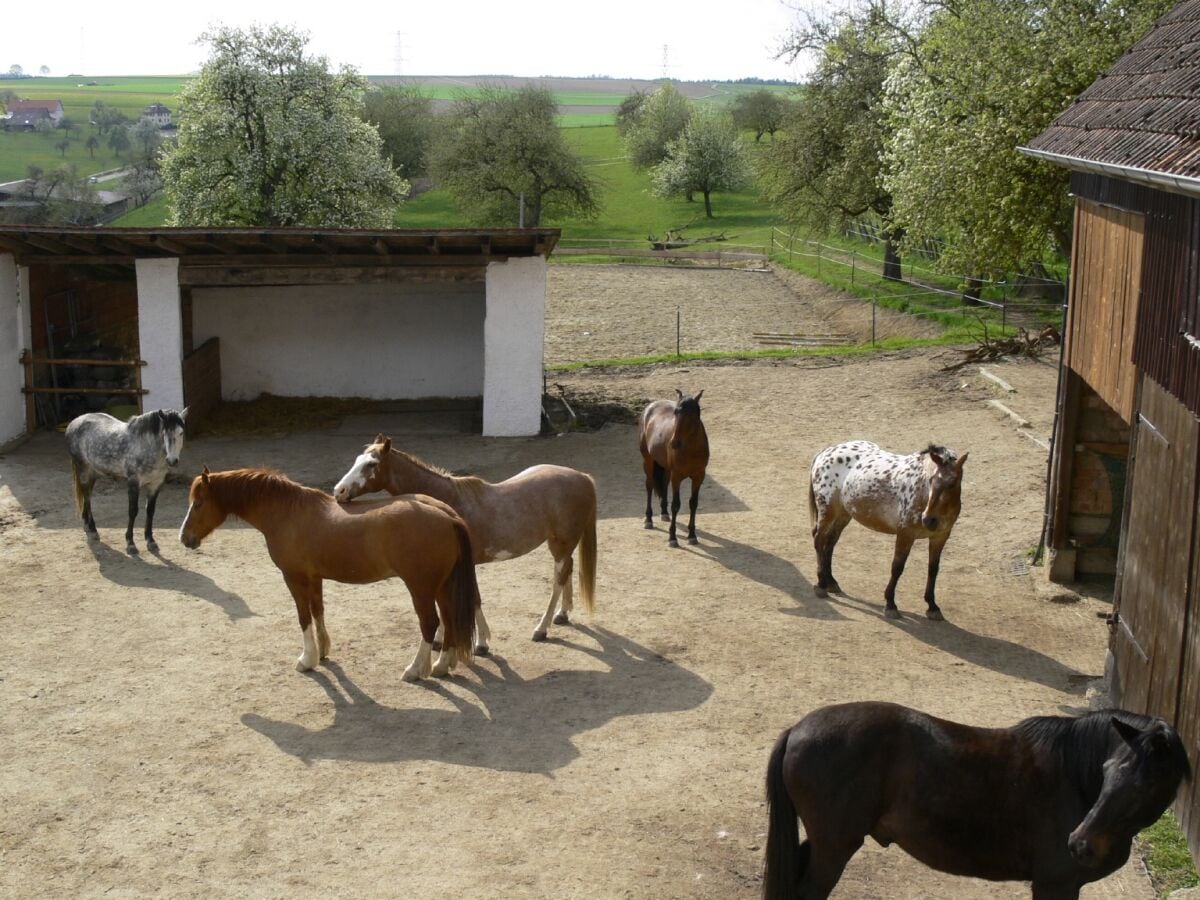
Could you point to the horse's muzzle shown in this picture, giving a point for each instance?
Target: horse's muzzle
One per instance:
(1084, 851)
(190, 541)
(172, 462)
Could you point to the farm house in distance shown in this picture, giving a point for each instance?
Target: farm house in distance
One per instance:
(1126, 465)
(187, 317)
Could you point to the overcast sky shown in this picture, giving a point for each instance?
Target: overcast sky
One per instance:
(620, 38)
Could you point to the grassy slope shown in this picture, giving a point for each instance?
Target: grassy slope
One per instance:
(130, 95)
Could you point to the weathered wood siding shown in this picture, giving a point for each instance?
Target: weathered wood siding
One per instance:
(1157, 595)
(1102, 316)
(202, 381)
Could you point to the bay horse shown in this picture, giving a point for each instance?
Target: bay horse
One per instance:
(544, 504)
(1052, 800)
(138, 452)
(674, 446)
(913, 497)
(311, 537)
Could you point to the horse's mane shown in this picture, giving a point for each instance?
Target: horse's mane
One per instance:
(1080, 744)
(233, 489)
(462, 482)
(154, 421)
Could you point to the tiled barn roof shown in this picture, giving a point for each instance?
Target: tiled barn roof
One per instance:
(1140, 120)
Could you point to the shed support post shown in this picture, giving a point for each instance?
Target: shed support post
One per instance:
(160, 332)
(14, 337)
(513, 333)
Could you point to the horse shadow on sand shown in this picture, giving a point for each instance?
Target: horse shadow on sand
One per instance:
(997, 654)
(165, 575)
(494, 733)
(767, 569)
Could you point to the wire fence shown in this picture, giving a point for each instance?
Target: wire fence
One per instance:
(865, 268)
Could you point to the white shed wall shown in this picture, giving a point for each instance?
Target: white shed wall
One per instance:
(14, 337)
(380, 341)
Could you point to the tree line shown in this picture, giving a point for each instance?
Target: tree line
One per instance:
(914, 112)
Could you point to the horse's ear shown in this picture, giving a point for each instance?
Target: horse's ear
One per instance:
(935, 453)
(387, 446)
(204, 473)
(679, 392)
(962, 459)
(699, 395)
(1129, 733)
(183, 415)
(380, 438)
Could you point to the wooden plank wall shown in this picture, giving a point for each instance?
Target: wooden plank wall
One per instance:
(1105, 286)
(1155, 642)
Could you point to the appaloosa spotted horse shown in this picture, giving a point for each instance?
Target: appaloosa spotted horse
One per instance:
(913, 496)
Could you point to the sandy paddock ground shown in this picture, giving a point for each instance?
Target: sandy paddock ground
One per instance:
(157, 739)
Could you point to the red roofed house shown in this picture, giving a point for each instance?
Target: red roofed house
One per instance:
(54, 108)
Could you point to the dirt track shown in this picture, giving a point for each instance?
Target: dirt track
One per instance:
(158, 740)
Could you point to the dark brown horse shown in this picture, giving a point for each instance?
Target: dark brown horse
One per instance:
(311, 537)
(674, 446)
(1052, 800)
(913, 497)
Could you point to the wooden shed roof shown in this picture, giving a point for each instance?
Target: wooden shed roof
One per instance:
(1140, 120)
(273, 246)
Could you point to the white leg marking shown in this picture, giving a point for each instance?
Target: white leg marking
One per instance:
(483, 634)
(311, 654)
(446, 661)
(539, 633)
(419, 668)
(439, 634)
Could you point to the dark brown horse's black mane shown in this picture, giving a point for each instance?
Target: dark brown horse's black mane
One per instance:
(1082, 744)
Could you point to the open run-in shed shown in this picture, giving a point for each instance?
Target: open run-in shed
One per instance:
(200, 315)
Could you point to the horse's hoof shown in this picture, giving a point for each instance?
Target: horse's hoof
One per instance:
(152, 546)
(673, 543)
(693, 541)
(482, 650)
(650, 524)
(411, 674)
(561, 618)
(92, 535)
(891, 612)
(935, 615)
(303, 665)
(819, 591)
(131, 550)
(834, 587)
(666, 518)
(539, 635)
(440, 671)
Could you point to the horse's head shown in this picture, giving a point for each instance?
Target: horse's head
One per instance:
(1141, 776)
(204, 513)
(171, 428)
(365, 476)
(687, 406)
(944, 471)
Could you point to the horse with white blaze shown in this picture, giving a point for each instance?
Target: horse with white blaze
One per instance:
(139, 452)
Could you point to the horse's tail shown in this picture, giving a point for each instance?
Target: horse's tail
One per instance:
(80, 499)
(812, 507)
(463, 595)
(587, 557)
(660, 481)
(786, 859)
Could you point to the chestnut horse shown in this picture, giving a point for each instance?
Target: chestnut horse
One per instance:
(914, 496)
(674, 446)
(311, 537)
(550, 505)
(1052, 800)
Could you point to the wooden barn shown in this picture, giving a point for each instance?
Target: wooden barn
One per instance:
(1125, 471)
(174, 317)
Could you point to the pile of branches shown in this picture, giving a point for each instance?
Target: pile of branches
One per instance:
(1023, 344)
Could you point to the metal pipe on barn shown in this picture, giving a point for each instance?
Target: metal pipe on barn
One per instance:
(677, 332)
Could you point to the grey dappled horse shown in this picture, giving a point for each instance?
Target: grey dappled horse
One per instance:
(138, 452)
